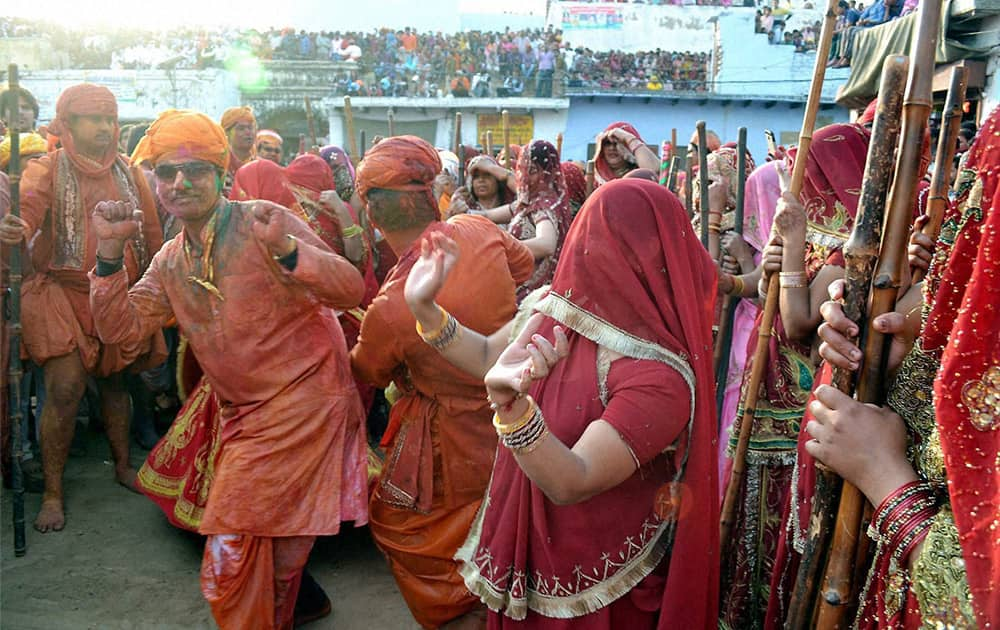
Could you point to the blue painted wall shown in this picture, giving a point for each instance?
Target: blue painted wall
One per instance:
(655, 119)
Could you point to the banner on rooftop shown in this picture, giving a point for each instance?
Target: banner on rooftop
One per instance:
(631, 27)
(522, 128)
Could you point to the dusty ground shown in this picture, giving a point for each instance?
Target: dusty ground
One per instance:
(119, 565)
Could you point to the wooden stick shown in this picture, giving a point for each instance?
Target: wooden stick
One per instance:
(941, 179)
(364, 144)
(688, 184)
(724, 343)
(461, 165)
(590, 177)
(489, 142)
(675, 164)
(310, 120)
(349, 123)
(13, 107)
(505, 122)
(458, 130)
(391, 116)
(673, 142)
(703, 178)
(559, 141)
(760, 357)
(917, 103)
(860, 253)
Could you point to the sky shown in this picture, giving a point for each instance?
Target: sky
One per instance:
(308, 14)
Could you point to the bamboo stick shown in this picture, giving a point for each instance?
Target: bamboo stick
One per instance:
(505, 123)
(703, 178)
(13, 107)
(771, 302)
(489, 143)
(917, 103)
(860, 253)
(461, 165)
(559, 142)
(310, 120)
(673, 142)
(675, 163)
(688, 183)
(724, 343)
(391, 116)
(940, 181)
(458, 131)
(349, 124)
(590, 177)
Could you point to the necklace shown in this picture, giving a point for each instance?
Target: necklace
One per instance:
(207, 279)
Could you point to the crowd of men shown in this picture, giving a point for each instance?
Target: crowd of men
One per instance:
(543, 343)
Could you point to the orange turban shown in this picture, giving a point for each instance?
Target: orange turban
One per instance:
(86, 99)
(31, 144)
(235, 115)
(405, 163)
(186, 133)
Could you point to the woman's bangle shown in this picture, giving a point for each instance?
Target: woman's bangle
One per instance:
(529, 435)
(430, 336)
(511, 427)
(738, 286)
(351, 232)
(714, 227)
(793, 280)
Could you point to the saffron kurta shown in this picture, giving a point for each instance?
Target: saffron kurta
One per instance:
(440, 442)
(56, 202)
(293, 460)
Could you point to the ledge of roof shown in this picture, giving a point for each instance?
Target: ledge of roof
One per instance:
(497, 104)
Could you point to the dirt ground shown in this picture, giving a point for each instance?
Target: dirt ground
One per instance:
(119, 565)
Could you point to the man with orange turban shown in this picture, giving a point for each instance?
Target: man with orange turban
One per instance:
(254, 290)
(269, 145)
(440, 443)
(240, 126)
(58, 192)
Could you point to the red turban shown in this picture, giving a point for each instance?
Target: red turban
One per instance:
(235, 115)
(310, 171)
(404, 163)
(185, 133)
(86, 99)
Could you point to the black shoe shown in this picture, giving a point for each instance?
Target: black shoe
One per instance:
(312, 602)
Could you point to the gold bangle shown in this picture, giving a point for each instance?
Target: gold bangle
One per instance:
(738, 286)
(431, 336)
(512, 427)
(793, 280)
(714, 227)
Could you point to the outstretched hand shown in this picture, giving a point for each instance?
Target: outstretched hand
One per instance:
(114, 223)
(527, 359)
(438, 255)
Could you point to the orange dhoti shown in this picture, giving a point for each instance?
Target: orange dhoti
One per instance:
(251, 581)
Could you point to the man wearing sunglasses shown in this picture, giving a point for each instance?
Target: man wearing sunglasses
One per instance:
(58, 192)
(254, 291)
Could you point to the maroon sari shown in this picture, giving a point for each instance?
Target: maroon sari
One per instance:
(634, 281)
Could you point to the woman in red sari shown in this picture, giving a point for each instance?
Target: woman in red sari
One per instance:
(935, 444)
(808, 252)
(620, 149)
(605, 513)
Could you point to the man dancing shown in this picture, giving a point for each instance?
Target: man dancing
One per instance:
(253, 289)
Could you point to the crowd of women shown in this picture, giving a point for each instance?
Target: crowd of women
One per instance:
(515, 306)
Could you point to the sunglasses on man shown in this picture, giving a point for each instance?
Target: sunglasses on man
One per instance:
(191, 170)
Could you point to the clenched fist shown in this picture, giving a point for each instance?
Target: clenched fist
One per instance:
(272, 226)
(114, 223)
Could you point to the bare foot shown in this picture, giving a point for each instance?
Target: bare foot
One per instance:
(50, 516)
(127, 478)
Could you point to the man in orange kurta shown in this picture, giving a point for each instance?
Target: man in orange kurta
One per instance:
(240, 126)
(440, 442)
(58, 192)
(254, 291)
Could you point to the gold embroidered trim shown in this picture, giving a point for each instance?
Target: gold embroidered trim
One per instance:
(982, 398)
(939, 580)
(593, 590)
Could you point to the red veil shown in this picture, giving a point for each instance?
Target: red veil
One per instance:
(602, 172)
(634, 279)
